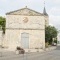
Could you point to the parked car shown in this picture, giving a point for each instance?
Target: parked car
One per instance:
(54, 44)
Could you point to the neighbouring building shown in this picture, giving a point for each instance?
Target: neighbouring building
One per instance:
(1, 37)
(25, 28)
(58, 38)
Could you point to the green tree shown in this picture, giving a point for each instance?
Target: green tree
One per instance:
(50, 33)
(2, 23)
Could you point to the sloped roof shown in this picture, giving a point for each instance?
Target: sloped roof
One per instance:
(25, 11)
(44, 12)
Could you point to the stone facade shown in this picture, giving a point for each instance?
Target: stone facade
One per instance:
(46, 20)
(58, 38)
(28, 22)
(1, 37)
(36, 39)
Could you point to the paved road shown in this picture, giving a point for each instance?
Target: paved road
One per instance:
(51, 55)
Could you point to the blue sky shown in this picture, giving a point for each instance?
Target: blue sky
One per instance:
(52, 8)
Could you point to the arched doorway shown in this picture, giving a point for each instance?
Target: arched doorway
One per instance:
(25, 40)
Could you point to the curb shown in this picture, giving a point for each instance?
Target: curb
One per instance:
(50, 48)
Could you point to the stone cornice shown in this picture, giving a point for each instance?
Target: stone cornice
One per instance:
(25, 12)
(24, 29)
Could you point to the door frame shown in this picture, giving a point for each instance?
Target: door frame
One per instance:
(25, 37)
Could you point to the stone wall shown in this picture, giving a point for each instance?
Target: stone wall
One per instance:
(16, 24)
(1, 37)
(36, 39)
(17, 21)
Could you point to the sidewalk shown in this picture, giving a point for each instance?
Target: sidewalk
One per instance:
(5, 53)
(51, 48)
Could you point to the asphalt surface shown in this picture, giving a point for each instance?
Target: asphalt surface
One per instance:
(47, 55)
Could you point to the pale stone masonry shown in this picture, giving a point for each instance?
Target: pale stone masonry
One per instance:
(25, 28)
(1, 37)
(58, 37)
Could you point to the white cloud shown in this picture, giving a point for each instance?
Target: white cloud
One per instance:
(55, 11)
(57, 1)
(55, 21)
(3, 0)
(54, 1)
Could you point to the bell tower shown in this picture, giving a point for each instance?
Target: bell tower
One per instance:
(46, 17)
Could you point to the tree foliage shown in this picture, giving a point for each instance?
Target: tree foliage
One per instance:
(50, 33)
(2, 23)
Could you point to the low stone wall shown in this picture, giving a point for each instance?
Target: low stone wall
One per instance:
(34, 50)
(0, 37)
(51, 48)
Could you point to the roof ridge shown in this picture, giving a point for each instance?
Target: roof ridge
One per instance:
(23, 9)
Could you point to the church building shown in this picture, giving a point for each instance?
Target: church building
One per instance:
(25, 28)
